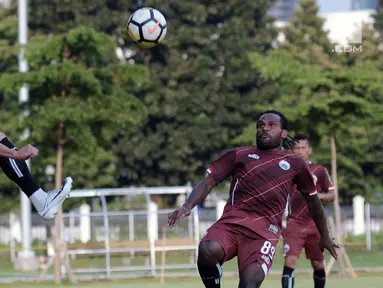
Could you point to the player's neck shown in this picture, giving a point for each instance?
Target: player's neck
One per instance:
(272, 149)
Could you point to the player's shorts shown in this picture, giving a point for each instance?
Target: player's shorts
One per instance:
(296, 238)
(244, 243)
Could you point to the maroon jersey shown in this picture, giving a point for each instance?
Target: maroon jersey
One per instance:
(261, 182)
(298, 207)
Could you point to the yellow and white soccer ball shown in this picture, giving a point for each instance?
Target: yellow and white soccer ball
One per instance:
(147, 27)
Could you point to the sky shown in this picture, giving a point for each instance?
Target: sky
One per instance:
(334, 5)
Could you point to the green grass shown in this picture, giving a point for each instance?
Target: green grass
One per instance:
(302, 281)
(358, 258)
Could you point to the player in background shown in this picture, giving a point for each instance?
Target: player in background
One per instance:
(301, 231)
(262, 176)
(12, 161)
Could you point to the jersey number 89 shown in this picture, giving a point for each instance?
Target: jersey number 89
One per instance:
(268, 249)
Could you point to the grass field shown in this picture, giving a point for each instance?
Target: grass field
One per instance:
(271, 282)
(359, 257)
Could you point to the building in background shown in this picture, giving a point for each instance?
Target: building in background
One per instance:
(343, 27)
(364, 4)
(346, 27)
(4, 3)
(283, 10)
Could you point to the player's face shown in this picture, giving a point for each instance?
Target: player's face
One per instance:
(269, 132)
(303, 149)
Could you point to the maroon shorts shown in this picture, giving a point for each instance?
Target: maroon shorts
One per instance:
(297, 237)
(244, 243)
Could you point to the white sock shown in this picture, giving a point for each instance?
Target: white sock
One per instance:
(38, 199)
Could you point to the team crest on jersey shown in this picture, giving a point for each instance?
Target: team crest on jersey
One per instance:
(284, 165)
(254, 156)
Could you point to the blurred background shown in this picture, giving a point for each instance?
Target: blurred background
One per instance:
(136, 128)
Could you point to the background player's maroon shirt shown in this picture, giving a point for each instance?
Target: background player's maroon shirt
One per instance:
(299, 212)
(261, 182)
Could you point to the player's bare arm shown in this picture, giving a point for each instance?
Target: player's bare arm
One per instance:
(327, 197)
(306, 187)
(328, 193)
(6, 152)
(317, 213)
(196, 197)
(23, 154)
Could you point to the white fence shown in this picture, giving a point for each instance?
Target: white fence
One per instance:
(360, 218)
(140, 232)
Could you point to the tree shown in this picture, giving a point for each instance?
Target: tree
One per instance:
(306, 39)
(369, 140)
(201, 80)
(303, 81)
(379, 17)
(9, 105)
(331, 102)
(81, 97)
(332, 107)
(202, 92)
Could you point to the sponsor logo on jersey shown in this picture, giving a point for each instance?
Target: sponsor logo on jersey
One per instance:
(267, 259)
(284, 165)
(254, 156)
(286, 249)
(273, 229)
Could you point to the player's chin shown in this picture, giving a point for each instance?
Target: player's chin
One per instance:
(263, 143)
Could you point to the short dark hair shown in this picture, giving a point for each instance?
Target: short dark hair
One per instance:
(288, 142)
(284, 121)
(301, 136)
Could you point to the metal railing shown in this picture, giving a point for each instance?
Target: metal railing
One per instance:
(131, 241)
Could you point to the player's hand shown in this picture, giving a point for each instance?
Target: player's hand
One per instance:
(328, 244)
(26, 152)
(177, 214)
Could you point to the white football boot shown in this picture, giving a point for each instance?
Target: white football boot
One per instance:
(54, 200)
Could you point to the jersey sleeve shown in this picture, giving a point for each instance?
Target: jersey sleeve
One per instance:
(325, 181)
(305, 181)
(222, 167)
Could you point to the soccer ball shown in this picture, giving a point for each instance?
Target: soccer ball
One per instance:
(147, 27)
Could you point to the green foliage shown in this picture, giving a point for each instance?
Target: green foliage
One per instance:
(203, 91)
(305, 37)
(8, 38)
(9, 107)
(379, 17)
(324, 92)
(76, 78)
(201, 83)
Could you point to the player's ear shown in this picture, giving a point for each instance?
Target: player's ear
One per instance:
(310, 150)
(284, 133)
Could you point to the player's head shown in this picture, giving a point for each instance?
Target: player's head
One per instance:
(272, 129)
(302, 146)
